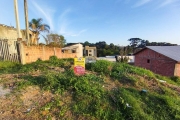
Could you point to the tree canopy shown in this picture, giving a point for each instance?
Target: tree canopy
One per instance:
(37, 26)
(55, 40)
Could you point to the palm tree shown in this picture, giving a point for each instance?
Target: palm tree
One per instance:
(36, 26)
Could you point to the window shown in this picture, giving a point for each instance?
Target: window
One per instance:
(73, 51)
(89, 50)
(148, 60)
(90, 54)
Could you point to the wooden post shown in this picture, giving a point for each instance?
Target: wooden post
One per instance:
(26, 21)
(21, 54)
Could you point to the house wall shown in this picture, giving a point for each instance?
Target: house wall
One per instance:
(7, 32)
(158, 63)
(92, 49)
(79, 50)
(177, 70)
(90, 52)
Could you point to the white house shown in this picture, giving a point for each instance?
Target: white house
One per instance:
(76, 48)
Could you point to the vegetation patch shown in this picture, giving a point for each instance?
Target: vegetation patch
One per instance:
(42, 90)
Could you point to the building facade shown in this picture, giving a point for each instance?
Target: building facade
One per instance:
(163, 60)
(75, 48)
(90, 51)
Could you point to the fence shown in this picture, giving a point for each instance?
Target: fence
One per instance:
(9, 50)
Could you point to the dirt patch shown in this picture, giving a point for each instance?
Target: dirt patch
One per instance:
(4, 91)
(24, 104)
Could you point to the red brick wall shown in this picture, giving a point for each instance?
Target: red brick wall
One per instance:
(158, 63)
(32, 53)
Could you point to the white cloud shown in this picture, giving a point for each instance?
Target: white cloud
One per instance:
(63, 15)
(47, 12)
(141, 3)
(63, 21)
(79, 33)
(64, 25)
(167, 2)
(72, 33)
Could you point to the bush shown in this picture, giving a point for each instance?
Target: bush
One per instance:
(175, 79)
(102, 66)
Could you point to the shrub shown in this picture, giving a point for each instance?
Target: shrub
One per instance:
(175, 79)
(103, 66)
(123, 59)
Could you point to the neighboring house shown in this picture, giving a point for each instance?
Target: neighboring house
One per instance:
(90, 51)
(9, 32)
(164, 60)
(75, 48)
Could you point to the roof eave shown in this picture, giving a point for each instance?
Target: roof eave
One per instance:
(139, 51)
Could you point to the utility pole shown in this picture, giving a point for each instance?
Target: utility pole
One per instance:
(26, 21)
(17, 19)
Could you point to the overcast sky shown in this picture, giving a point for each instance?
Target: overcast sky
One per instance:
(113, 21)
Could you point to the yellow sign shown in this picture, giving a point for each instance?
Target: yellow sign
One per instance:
(79, 62)
(79, 66)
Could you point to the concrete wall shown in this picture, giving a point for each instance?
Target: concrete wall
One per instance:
(11, 33)
(155, 62)
(7, 32)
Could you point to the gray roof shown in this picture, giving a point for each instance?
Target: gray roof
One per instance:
(172, 52)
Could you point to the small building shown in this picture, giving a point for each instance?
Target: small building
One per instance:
(75, 48)
(163, 60)
(90, 51)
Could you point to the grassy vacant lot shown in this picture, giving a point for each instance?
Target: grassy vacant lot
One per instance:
(108, 91)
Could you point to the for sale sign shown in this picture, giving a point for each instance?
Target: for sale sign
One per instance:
(79, 66)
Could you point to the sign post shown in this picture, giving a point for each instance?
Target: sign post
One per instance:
(79, 66)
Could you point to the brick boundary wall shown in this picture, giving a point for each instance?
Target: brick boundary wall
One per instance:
(32, 53)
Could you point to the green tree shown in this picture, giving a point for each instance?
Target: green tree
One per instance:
(55, 40)
(86, 43)
(36, 26)
(134, 42)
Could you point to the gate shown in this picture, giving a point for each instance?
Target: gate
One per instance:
(9, 50)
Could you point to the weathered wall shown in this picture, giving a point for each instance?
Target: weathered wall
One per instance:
(177, 69)
(7, 32)
(33, 53)
(11, 32)
(155, 62)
